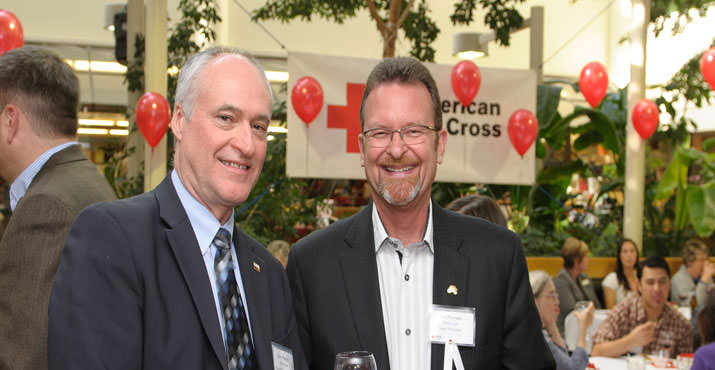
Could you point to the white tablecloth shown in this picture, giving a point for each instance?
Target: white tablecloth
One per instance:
(608, 363)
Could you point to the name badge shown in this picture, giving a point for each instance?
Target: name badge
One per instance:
(450, 324)
(282, 357)
(585, 282)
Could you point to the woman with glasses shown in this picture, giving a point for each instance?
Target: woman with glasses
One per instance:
(547, 303)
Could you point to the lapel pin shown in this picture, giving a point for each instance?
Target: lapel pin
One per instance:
(452, 290)
(256, 267)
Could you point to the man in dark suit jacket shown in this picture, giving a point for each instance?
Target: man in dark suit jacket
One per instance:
(369, 282)
(135, 287)
(51, 182)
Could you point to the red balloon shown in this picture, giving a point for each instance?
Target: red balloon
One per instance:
(466, 79)
(523, 128)
(10, 32)
(707, 66)
(593, 83)
(645, 118)
(153, 115)
(307, 98)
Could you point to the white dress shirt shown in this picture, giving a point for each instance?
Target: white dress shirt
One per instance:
(406, 294)
(205, 226)
(18, 188)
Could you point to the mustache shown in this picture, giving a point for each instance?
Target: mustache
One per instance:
(393, 162)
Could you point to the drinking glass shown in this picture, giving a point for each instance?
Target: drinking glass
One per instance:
(355, 360)
(636, 362)
(580, 305)
(685, 361)
(666, 343)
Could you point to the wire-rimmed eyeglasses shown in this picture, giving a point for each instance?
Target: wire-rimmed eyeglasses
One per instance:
(411, 135)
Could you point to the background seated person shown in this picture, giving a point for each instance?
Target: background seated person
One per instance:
(479, 206)
(704, 358)
(547, 302)
(618, 285)
(571, 282)
(636, 323)
(694, 276)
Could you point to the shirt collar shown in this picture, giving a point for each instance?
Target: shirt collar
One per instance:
(203, 222)
(18, 188)
(380, 234)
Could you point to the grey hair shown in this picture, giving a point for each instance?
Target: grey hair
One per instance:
(185, 86)
(538, 280)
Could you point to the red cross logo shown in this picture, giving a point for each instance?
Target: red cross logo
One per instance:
(348, 117)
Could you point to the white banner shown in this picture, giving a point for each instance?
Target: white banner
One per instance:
(478, 146)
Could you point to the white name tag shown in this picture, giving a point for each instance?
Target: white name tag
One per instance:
(450, 324)
(282, 357)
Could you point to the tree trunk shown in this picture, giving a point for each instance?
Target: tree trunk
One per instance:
(396, 16)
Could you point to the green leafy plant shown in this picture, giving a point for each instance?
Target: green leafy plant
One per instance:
(690, 177)
(392, 16)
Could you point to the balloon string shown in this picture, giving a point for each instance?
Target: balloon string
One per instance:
(575, 35)
(257, 197)
(550, 196)
(260, 25)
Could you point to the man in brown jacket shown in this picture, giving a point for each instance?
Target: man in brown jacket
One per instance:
(51, 181)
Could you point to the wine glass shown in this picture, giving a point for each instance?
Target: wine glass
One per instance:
(665, 338)
(355, 360)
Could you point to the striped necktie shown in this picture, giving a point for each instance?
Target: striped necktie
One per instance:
(239, 347)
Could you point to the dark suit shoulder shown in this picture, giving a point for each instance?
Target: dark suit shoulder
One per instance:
(479, 233)
(136, 208)
(471, 225)
(322, 240)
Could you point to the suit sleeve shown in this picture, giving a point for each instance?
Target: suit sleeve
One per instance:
(299, 305)
(29, 254)
(523, 344)
(95, 319)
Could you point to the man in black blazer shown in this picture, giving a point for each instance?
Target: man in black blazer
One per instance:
(136, 287)
(369, 282)
(51, 181)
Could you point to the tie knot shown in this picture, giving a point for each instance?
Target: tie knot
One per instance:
(222, 239)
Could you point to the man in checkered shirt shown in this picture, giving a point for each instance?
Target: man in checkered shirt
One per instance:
(638, 323)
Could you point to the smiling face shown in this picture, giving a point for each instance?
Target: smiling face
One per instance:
(547, 302)
(220, 149)
(401, 174)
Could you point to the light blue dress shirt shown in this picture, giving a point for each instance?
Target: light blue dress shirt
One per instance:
(18, 188)
(205, 226)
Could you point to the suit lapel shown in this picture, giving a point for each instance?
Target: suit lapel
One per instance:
(451, 271)
(182, 241)
(359, 267)
(255, 286)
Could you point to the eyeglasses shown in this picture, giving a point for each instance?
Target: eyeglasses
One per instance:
(552, 295)
(381, 137)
